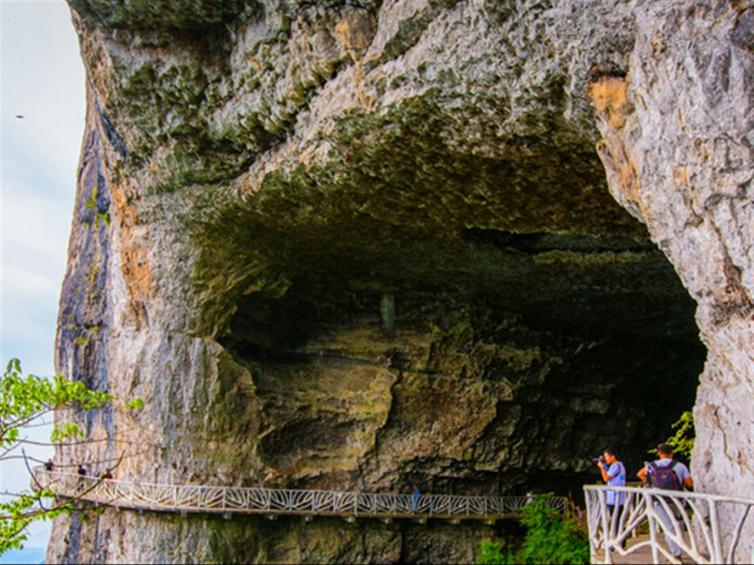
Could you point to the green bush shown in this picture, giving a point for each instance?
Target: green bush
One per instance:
(491, 553)
(549, 538)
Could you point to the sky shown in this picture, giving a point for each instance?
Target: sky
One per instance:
(41, 79)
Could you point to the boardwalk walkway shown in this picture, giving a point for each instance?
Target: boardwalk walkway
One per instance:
(633, 556)
(272, 502)
(704, 528)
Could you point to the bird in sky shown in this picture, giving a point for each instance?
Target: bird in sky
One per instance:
(20, 116)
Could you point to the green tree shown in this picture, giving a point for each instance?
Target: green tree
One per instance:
(550, 538)
(25, 400)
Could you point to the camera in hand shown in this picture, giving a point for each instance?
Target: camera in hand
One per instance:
(600, 459)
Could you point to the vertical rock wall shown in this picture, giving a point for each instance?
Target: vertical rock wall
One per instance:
(256, 179)
(679, 152)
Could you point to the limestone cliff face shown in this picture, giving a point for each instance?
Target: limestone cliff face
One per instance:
(678, 151)
(362, 244)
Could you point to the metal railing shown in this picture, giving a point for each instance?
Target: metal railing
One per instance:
(668, 524)
(266, 501)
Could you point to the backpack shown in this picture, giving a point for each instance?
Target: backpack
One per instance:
(664, 477)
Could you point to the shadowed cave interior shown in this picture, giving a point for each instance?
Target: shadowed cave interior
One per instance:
(490, 362)
(475, 318)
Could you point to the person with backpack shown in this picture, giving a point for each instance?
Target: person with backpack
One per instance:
(668, 474)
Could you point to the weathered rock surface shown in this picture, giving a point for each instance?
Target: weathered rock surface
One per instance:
(363, 244)
(172, 539)
(679, 153)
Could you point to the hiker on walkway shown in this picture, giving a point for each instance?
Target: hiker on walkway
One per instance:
(415, 498)
(668, 474)
(658, 473)
(82, 476)
(49, 465)
(614, 474)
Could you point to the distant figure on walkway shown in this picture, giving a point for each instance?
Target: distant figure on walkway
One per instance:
(614, 474)
(49, 465)
(669, 474)
(82, 474)
(107, 475)
(529, 497)
(415, 498)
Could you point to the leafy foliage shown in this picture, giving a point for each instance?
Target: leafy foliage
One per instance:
(23, 401)
(493, 553)
(550, 538)
(21, 511)
(682, 439)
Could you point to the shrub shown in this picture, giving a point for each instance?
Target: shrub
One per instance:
(550, 538)
(491, 553)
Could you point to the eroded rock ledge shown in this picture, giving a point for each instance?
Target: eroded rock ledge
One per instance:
(364, 244)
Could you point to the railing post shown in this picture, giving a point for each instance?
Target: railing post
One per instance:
(588, 500)
(715, 550)
(652, 532)
(605, 526)
(224, 501)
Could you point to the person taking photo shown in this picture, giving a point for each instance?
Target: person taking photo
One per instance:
(614, 474)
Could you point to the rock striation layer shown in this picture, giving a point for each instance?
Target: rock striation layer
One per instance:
(362, 244)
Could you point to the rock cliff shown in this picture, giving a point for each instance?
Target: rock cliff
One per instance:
(363, 244)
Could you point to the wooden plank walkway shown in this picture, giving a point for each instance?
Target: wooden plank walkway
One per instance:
(184, 499)
(640, 556)
(648, 519)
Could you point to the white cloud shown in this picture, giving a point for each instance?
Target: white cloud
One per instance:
(43, 80)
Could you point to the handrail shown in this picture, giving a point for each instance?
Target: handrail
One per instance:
(660, 492)
(260, 500)
(679, 523)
